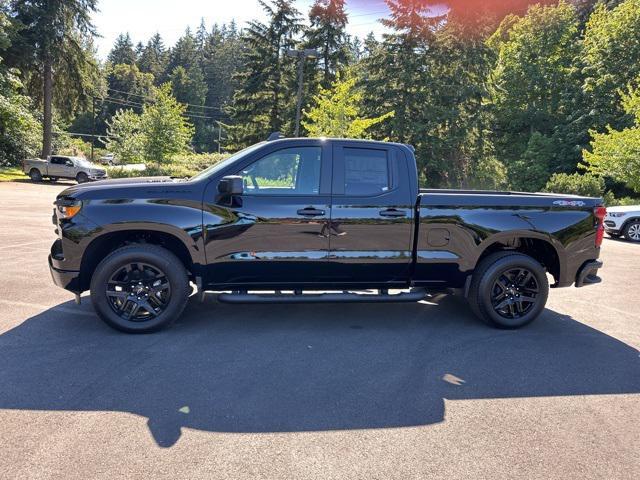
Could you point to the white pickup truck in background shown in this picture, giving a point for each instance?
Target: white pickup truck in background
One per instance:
(60, 166)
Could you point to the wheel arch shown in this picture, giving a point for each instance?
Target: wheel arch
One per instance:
(628, 221)
(537, 247)
(106, 243)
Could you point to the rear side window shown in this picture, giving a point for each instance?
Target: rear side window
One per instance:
(366, 171)
(57, 160)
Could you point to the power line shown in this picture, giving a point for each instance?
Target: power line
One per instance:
(367, 14)
(129, 103)
(146, 97)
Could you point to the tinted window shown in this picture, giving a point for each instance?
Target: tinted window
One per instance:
(292, 171)
(58, 160)
(366, 171)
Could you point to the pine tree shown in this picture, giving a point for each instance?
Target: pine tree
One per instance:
(184, 53)
(327, 35)
(264, 101)
(54, 36)
(154, 58)
(396, 77)
(122, 51)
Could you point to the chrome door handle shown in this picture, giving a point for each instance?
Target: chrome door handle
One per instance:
(310, 212)
(392, 212)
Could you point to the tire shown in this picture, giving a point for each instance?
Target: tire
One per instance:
(35, 175)
(116, 288)
(82, 177)
(523, 295)
(632, 231)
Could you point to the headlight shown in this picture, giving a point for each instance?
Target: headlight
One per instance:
(68, 207)
(617, 214)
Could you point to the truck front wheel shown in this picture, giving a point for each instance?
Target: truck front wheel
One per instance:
(508, 290)
(140, 288)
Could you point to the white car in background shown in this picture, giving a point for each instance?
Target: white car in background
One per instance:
(623, 221)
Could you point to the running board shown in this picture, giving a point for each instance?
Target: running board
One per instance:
(415, 295)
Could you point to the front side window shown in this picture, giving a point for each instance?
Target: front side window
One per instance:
(366, 171)
(291, 171)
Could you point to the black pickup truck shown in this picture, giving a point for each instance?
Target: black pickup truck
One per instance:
(317, 220)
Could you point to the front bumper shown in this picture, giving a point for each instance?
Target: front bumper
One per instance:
(588, 274)
(97, 177)
(67, 279)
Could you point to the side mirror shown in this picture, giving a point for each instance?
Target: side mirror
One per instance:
(230, 185)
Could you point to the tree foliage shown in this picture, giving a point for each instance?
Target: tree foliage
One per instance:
(54, 36)
(535, 94)
(611, 54)
(616, 153)
(576, 184)
(337, 112)
(157, 135)
(122, 51)
(264, 100)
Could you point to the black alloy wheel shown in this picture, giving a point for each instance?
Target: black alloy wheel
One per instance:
(514, 293)
(140, 288)
(138, 292)
(508, 289)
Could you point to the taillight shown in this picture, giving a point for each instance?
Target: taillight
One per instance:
(600, 213)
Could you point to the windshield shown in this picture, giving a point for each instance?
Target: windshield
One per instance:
(81, 162)
(213, 169)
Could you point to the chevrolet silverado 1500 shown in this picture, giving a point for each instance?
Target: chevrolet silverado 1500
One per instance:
(317, 220)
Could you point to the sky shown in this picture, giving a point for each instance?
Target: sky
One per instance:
(170, 18)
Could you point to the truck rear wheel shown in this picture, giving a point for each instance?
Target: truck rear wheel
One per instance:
(35, 175)
(140, 288)
(508, 290)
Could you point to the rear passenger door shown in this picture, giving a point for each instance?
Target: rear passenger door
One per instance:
(372, 214)
(56, 167)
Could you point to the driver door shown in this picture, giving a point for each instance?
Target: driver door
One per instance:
(276, 231)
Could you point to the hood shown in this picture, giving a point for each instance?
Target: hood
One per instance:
(624, 208)
(117, 182)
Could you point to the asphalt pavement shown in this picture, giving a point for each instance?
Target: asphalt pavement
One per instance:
(406, 391)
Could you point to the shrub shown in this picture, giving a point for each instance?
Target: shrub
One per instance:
(182, 166)
(576, 184)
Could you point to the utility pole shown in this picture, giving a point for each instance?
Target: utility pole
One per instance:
(219, 137)
(93, 124)
(301, 55)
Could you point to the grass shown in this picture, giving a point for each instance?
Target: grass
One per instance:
(9, 174)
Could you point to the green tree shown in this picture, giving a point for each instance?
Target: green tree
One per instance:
(184, 54)
(164, 126)
(20, 132)
(189, 86)
(396, 77)
(616, 153)
(328, 36)
(125, 138)
(535, 94)
(576, 184)
(54, 36)
(337, 112)
(122, 51)
(264, 101)
(611, 54)
(153, 58)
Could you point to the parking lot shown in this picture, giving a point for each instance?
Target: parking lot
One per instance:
(407, 391)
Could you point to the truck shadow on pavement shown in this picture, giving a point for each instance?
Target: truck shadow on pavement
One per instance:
(283, 368)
